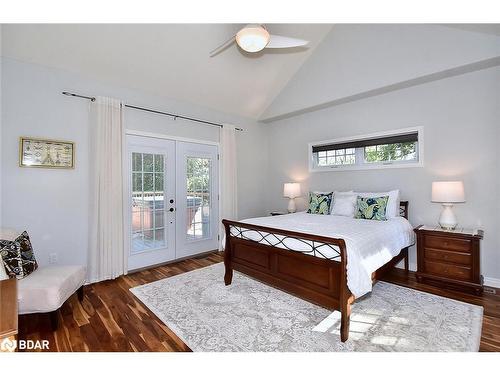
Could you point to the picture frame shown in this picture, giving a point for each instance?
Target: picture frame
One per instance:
(46, 153)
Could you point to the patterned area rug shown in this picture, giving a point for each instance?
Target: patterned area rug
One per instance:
(251, 316)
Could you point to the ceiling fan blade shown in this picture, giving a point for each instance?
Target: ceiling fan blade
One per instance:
(278, 41)
(223, 46)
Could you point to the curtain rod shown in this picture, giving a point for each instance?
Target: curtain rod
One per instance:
(91, 98)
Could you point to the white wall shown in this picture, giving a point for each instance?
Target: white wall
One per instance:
(460, 116)
(53, 204)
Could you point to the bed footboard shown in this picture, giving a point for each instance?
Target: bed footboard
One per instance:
(268, 257)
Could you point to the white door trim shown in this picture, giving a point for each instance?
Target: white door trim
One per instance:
(170, 137)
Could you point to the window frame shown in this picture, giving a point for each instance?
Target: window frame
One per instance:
(359, 152)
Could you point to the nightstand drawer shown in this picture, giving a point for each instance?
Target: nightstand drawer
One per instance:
(446, 243)
(448, 256)
(448, 270)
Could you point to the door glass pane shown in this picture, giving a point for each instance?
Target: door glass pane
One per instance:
(159, 218)
(148, 214)
(136, 162)
(147, 165)
(158, 166)
(198, 175)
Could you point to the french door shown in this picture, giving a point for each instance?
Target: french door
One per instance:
(172, 200)
(151, 188)
(197, 199)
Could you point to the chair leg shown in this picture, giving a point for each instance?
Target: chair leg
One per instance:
(54, 319)
(79, 293)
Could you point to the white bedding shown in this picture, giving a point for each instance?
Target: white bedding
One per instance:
(370, 244)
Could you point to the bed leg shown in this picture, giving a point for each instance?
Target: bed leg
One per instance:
(228, 276)
(407, 261)
(345, 320)
(54, 319)
(346, 296)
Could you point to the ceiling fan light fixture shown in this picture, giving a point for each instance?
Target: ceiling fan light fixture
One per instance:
(253, 38)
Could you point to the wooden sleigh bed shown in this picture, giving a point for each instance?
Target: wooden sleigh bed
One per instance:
(318, 280)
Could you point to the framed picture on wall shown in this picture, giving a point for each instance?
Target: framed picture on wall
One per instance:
(46, 153)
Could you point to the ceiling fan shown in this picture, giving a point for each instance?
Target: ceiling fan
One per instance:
(254, 38)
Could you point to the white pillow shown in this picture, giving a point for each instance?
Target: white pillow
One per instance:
(392, 204)
(9, 234)
(344, 203)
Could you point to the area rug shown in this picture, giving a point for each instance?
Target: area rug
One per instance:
(250, 316)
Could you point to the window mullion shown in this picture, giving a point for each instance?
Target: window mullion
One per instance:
(360, 156)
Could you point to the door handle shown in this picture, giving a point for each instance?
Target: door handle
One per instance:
(172, 209)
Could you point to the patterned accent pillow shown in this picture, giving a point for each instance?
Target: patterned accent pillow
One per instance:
(18, 256)
(372, 208)
(319, 203)
(3, 272)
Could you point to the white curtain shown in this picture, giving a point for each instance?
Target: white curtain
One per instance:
(229, 188)
(106, 252)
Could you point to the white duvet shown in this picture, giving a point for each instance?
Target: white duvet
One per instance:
(370, 244)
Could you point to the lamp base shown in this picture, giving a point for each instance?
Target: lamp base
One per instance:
(447, 219)
(291, 206)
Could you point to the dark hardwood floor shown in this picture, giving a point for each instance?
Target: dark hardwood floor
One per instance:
(110, 318)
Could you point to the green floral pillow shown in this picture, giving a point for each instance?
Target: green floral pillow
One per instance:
(319, 203)
(372, 208)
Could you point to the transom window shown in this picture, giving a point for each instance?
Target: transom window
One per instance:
(405, 151)
(399, 148)
(337, 157)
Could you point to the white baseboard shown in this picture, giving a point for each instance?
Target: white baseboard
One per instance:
(491, 281)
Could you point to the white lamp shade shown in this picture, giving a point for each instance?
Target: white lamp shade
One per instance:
(448, 192)
(291, 190)
(253, 38)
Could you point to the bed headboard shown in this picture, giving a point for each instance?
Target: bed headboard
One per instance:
(403, 209)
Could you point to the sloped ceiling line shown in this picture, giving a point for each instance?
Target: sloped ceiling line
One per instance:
(468, 68)
(359, 60)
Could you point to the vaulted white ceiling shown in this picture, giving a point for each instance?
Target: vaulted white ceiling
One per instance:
(168, 60)
(342, 63)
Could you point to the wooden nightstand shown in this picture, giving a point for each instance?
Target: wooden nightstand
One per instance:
(450, 258)
(8, 310)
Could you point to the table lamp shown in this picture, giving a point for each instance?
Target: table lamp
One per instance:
(291, 190)
(447, 193)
